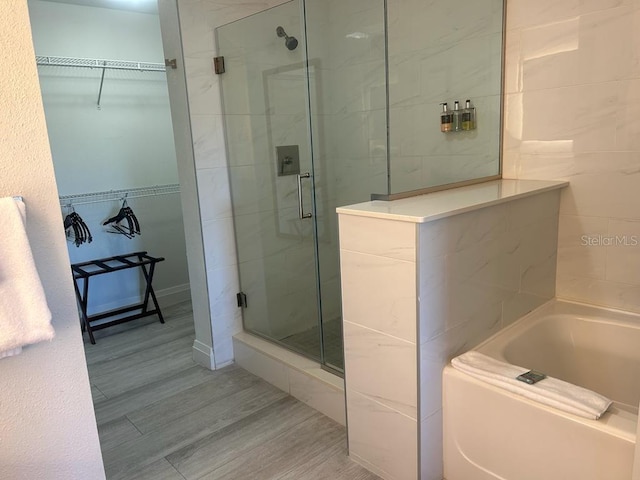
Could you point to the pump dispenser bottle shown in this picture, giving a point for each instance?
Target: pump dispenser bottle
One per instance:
(446, 119)
(457, 117)
(468, 117)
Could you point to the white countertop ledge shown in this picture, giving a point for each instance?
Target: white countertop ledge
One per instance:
(446, 203)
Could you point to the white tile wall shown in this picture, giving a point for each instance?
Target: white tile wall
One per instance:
(370, 281)
(378, 269)
(381, 438)
(412, 302)
(572, 85)
(374, 372)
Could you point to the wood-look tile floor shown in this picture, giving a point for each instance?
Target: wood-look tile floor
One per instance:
(162, 417)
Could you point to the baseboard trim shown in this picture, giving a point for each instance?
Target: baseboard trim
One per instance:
(174, 295)
(166, 298)
(203, 355)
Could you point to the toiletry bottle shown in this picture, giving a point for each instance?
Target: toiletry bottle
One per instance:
(457, 118)
(469, 117)
(446, 119)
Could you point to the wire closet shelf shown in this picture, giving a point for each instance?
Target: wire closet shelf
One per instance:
(100, 63)
(111, 195)
(104, 65)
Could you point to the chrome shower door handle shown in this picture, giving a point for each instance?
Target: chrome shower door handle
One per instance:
(301, 213)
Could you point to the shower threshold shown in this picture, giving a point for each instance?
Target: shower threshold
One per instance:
(293, 373)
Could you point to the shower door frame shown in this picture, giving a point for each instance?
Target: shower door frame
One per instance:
(305, 66)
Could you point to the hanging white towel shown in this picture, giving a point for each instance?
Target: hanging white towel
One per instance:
(550, 391)
(24, 315)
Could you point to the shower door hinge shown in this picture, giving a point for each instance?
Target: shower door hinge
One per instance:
(218, 65)
(242, 299)
(173, 63)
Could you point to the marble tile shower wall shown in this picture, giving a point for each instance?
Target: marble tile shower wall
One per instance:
(573, 112)
(441, 52)
(198, 19)
(355, 138)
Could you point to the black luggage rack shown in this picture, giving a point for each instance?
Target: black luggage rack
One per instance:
(86, 270)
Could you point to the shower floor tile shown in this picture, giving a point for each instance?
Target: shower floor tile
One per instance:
(309, 341)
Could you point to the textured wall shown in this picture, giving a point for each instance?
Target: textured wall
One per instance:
(48, 430)
(571, 112)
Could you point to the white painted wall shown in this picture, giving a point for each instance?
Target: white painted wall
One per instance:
(128, 143)
(48, 429)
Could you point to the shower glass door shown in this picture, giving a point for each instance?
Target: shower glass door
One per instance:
(266, 106)
(304, 92)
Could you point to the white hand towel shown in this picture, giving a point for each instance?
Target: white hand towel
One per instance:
(550, 391)
(24, 314)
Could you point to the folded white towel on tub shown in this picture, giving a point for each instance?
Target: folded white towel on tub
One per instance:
(24, 315)
(550, 391)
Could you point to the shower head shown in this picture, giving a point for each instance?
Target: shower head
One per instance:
(290, 42)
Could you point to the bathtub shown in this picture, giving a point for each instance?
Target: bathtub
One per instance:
(490, 433)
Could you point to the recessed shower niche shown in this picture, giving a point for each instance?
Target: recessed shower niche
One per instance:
(355, 85)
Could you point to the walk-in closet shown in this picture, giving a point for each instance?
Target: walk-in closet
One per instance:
(104, 89)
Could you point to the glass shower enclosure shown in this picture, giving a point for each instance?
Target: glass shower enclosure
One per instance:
(305, 109)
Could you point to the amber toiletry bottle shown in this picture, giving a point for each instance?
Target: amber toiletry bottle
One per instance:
(446, 119)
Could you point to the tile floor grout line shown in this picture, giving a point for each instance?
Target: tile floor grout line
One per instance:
(248, 452)
(134, 425)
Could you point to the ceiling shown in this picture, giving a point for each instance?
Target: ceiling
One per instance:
(143, 6)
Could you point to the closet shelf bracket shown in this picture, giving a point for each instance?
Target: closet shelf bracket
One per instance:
(100, 91)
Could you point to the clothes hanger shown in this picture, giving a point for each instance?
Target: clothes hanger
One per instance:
(74, 222)
(125, 213)
(86, 233)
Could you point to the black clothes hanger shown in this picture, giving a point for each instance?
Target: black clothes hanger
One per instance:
(74, 223)
(132, 227)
